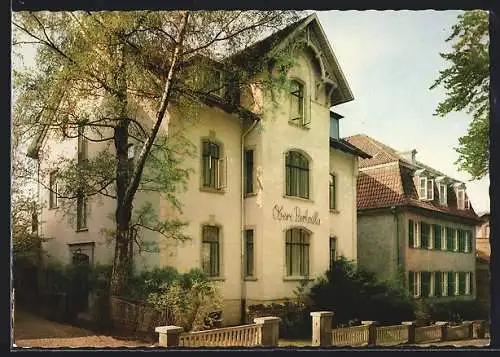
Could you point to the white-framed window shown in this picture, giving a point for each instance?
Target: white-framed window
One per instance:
(444, 284)
(214, 166)
(53, 190)
(431, 237)
(467, 283)
(298, 105)
(443, 238)
(297, 252)
(443, 199)
(457, 283)
(466, 243)
(416, 229)
(462, 200)
(210, 250)
(455, 240)
(296, 174)
(81, 212)
(415, 283)
(432, 285)
(426, 188)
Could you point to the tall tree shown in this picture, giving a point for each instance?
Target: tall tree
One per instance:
(466, 82)
(96, 72)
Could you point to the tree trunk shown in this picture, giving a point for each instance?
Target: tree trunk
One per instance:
(127, 182)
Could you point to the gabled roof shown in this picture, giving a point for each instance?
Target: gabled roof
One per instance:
(386, 180)
(315, 39)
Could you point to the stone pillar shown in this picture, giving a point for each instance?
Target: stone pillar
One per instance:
(322, 328)
(270, 329)
(372, 332)
(169, 335)
(444, 329)
(411, 330)
(478, 329)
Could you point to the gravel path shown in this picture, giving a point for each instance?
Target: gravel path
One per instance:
(34, 331)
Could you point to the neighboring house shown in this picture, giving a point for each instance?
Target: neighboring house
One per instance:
(416, 221)
(483, 250)
(259, 218)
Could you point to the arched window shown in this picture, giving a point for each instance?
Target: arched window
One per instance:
(297, 252)
(297, 175)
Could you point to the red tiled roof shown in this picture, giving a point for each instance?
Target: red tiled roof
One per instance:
(381, 153)
(392, 184)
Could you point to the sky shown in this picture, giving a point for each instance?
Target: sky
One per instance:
(390, 59)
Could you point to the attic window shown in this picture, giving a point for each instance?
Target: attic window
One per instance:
(443, 188)
(426, 188)
(212, 82)
(462, 200)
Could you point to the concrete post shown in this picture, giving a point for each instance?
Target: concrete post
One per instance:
(444, 329)
(411, 330)
(470, 326)
(322, 328)
(372, 332)
(270, 329)
(478, 329)
(169, 335)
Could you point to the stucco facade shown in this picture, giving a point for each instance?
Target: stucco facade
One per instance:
(267, 210)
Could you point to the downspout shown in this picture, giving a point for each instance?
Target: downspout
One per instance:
(393, 210)
(242, 222)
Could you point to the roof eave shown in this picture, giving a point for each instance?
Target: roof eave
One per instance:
(344, 146)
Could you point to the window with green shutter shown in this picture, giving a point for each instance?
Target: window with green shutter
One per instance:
(461, 283)
(424, 235)
(449, 238)
(469, 241)
(451, 284)
(411, 241)
(461, 240)
(425, 276)
(437, 283)
(437, 237)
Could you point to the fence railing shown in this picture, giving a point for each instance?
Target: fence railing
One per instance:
(264, 332)
(350, 336)
(428, 334)
(392, 335)
(246, 335)
(370, 334)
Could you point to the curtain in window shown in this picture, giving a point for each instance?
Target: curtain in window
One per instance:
(297, 252)
(211, 157)
(210, 250)
(297, 175)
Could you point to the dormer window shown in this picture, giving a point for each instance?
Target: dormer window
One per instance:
(212, 82)
(443, 193)
(426, 188)
(462, 200)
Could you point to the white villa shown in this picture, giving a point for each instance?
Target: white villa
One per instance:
(271, 199)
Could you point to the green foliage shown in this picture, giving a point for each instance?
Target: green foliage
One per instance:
(150, 281)
(455, 310)
(187, 300)
(466, 82)
(355, 295)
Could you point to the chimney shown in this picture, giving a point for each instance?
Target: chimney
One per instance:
(409, 156)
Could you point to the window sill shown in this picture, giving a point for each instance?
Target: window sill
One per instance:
(297, 278)
(298, 198)
(335, 211)
(250, 278)
(216, 278)
(300, 126)
(440, 250)
(82, 230)
(251, 194)
(212, 190)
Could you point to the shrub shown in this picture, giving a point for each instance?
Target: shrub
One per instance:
(187, 300)
(455, 310)
(141, 285)
(353, 295)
